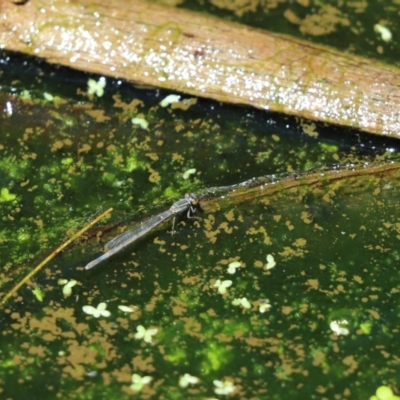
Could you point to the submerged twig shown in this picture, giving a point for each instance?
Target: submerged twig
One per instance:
(216, 198)
(213, 199)
(53, 254)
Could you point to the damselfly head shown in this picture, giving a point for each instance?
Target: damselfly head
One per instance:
(192, 198)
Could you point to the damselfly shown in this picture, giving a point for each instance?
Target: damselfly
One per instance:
(187, 204)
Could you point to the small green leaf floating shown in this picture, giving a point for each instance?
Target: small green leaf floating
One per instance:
(5, 195)
(97, 88)
(39, 293)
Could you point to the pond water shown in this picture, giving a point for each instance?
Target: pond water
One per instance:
(275, 294)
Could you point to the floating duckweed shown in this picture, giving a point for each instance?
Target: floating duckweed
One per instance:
(223, 387)
(172, 98)
(233, 266)
(339, 327)
(384, 393)
(126, 309)
(386, 34)
(270, 262)
(145, 334)
(68, 285)
(38, 292)
(48, 96)
(96, 312)
(242, 302)
(97, 88)
(187, 380)
(366, 327)
(222, 285)
(265, 305)
(67, 161)
(6, 196)
(139, 381)
(140, 122)
(186, 174)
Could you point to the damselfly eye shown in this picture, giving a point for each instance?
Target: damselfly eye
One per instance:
(192, 198)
